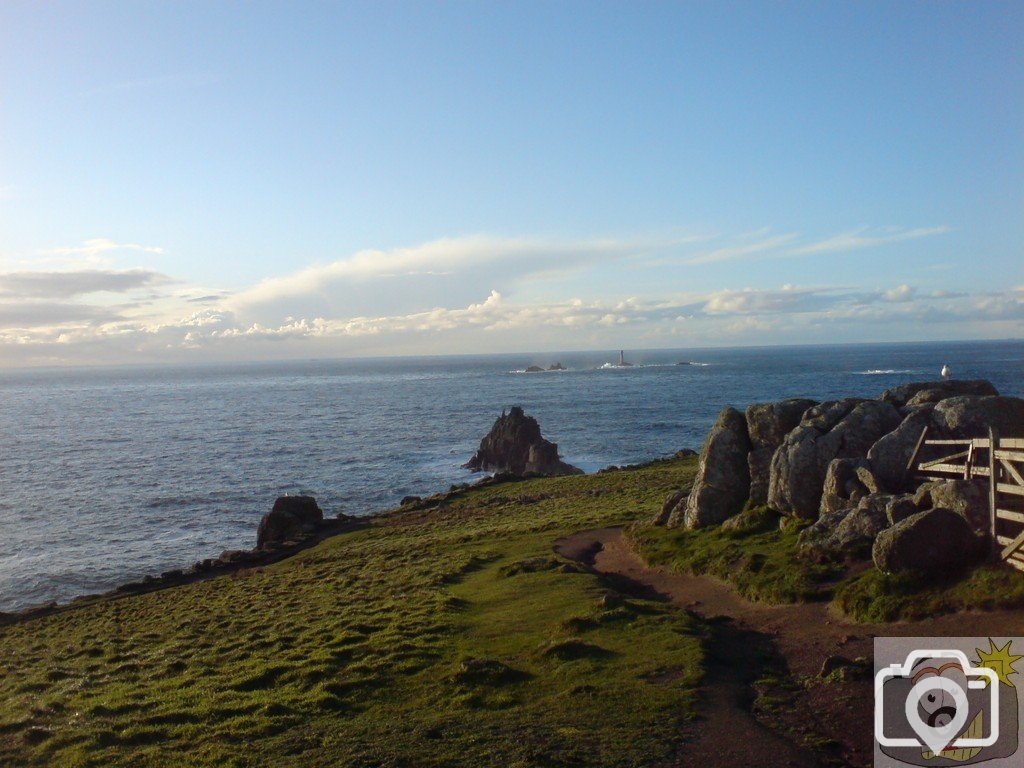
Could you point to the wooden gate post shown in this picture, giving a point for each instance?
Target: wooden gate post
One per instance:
(993, 487)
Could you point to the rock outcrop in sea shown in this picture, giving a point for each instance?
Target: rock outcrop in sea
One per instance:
(515, 445)
(840, 469)
(290, 518)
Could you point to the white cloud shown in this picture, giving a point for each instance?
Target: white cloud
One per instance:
(478, 300)
(867, 238)
(68, 284)
(100, 245)
(508, 258)
(21, 315)
(900, 293)
(740, 250)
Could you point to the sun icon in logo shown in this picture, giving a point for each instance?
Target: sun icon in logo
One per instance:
(999, 660)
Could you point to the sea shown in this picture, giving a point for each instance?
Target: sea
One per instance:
(110, 474)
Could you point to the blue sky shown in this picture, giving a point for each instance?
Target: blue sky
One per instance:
(202, 181)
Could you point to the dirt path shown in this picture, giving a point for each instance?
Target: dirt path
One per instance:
(802, 635)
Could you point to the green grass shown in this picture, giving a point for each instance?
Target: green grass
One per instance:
(446, 637)
(875, 597)
(762, 563)
(756, 558)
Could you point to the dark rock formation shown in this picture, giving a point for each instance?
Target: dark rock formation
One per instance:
(672, 501)
(534, 369)
(846, 533)
(932, 540)
(723, 478)
(556, 367)
(836, 429)
(767, 425)
(900, 508)
(515, 445)
(968, 498)
(932, 391)
(842, 488)
(759, 467)
(291, 517)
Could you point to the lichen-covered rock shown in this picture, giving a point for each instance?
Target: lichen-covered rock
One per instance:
(723, 477)
(751, 520)
(767, 426)
(759, 464)
(891, 452)
(290, 518)
(842, 490)
(900, 508)
(967, 417)
(932, 540)
(836, 429)
(867, 478)
(672, 501)
(769, 423)
(933, 391)
(968, 498)
(515, 445)
(846, 533)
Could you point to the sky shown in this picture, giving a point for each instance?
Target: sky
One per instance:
(223, 181)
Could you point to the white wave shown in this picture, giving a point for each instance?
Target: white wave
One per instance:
(617, 367)
(882, 372)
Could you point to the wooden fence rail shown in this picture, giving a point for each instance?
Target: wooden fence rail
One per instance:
(1001, 460)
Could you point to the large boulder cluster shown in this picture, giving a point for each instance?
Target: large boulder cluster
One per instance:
(840, 469)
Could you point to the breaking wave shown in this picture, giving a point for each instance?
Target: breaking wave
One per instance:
(883, 372)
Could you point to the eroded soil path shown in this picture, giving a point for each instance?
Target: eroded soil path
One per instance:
(837, 714)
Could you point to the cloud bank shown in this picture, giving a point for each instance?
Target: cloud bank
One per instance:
(473, 294)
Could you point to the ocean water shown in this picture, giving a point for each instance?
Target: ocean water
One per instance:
(107, 475)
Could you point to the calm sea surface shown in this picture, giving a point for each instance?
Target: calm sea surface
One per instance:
(107, 475)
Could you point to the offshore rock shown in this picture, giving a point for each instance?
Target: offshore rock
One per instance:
(515, 445)
(291, 518)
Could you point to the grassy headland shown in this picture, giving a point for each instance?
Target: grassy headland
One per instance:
(446, 637)
(438, 637)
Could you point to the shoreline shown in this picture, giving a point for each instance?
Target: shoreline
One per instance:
(233, 561)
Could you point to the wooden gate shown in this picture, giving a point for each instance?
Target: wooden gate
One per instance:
(999, 460)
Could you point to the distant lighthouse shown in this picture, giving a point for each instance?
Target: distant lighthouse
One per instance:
(946, 373)
(622, 357)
